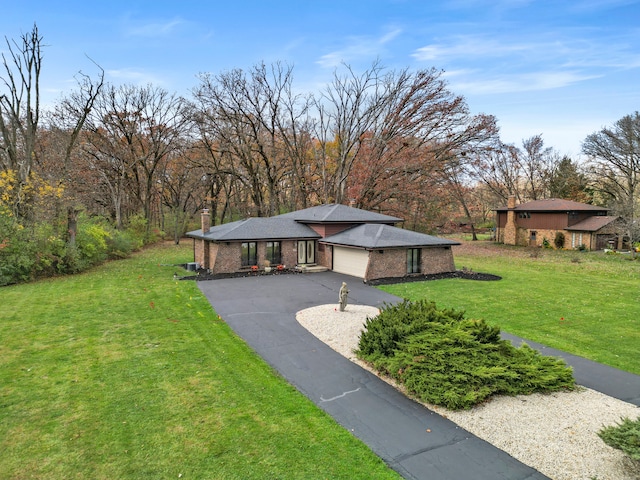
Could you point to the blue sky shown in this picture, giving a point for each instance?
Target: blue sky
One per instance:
(563, 69)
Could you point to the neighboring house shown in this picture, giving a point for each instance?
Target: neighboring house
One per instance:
(530, 223)
(340, 238)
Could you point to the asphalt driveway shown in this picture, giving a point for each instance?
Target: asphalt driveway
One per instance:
(411, 439)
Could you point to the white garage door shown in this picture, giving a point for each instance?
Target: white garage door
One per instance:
(351, 261)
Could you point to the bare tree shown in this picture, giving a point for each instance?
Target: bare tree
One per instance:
(258, 118)
(501, 171)
(20, 107)
(392, 130)
(133, 130)
(352, 107)
(478, 138)
(184, 186)
(323, 155)
(538, 163)
(614, 154)
(65, 125)
(20, 104)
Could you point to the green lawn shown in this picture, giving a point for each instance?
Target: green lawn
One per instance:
(583, 303)
(124, 373)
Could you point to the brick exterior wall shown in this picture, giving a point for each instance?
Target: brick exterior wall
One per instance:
(227, 258)
(523, 235)
(572, 239)
(198, 252)
(437, 260)
(289, 251)
(388, 263)
(393, 262)
(324, 255)
(575, 239)
(541, 235)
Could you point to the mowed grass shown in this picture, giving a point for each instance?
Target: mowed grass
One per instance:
(585, 303)
(124, 373)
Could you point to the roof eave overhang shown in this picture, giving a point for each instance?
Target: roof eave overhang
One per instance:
(389, 247)
(261, 239)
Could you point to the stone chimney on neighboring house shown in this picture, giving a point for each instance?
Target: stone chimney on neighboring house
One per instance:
(510, 228)
(205, 219)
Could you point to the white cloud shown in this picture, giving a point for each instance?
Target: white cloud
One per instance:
(526, 82)
(575, 49)
(462, 72)
(470, 46)
(129, 75)
(154, 29)
(482, 65)
(358, 48)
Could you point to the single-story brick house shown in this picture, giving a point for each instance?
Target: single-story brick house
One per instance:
(344, 239)
(530, 223)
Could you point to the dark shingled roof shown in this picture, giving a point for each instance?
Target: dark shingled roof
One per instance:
(257, 228)
(336, 213)
(593, 224)
(371, 237)
(554, 205)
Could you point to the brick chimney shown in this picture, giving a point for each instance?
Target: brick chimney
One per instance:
(510, 228)
(205, 219)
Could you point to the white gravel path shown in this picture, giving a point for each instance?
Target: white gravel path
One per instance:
(555, 433)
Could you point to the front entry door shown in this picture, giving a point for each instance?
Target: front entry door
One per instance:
(306, 251)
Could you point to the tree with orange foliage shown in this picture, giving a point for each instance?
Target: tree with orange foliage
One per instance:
(396, 132)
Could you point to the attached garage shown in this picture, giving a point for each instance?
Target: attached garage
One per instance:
(350, 261)
(375, 251)
(597, 233)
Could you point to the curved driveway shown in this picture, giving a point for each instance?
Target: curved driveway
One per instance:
(411, 439)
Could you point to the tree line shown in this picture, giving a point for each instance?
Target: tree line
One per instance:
(110, 167)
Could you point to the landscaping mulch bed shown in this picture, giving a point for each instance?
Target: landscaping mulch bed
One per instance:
(201, 275)
(464, 274)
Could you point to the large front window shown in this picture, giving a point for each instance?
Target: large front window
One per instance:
(249, 254)
(413, 260)
(273, 253)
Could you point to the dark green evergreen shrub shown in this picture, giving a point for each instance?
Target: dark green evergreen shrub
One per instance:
(445, 359)
(625, 436)
(559, 240)
(397, 322)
